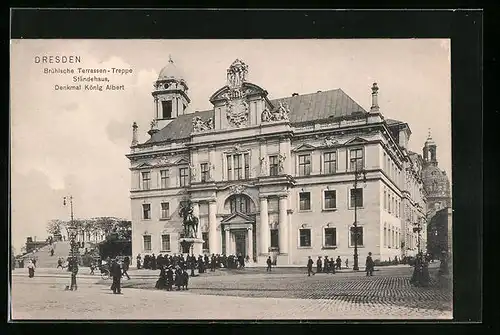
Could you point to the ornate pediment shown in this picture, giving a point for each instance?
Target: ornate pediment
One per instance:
(199, 125)
(163, 161)
(143, 165)
(237, 218)
(356, 140)
(182, 161)
(304, 147)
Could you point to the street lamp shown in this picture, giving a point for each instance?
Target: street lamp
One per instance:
(71, 229)
(359, 172)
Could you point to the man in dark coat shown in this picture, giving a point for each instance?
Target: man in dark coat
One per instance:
(170, 278)
(326, 264)
(116, 273)
(153, 262)
(138, 258)
(269, 263)
(319, 264)
(213, 263)
(338, 261)
(126, 265)
(369, 265)
(310, 263)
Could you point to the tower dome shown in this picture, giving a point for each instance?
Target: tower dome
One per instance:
(170, 71)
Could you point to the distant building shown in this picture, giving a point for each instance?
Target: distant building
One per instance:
(274, 176)
(33, 244)
(439, 238)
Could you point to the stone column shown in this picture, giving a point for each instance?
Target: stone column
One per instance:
(228, 241)
(196, 213)
(264, 227)
(250, 244)
(232, 167)
(283, 226)
(194, 164)
(213, 241)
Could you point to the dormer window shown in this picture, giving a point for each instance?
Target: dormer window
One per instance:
(166, 109)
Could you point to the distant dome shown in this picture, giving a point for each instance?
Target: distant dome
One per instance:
(170, 71)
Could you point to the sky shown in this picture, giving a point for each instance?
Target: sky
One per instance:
(74, 142)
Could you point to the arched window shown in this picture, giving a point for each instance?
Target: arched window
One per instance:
(239, 203)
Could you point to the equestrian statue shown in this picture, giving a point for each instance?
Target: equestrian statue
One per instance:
(189, 221)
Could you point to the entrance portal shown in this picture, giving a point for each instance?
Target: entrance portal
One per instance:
(240, 241)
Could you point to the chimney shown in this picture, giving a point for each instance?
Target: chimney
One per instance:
(374, 108)
(134, 135)
(294, 94)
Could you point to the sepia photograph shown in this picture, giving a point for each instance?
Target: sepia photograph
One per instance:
(253, 179)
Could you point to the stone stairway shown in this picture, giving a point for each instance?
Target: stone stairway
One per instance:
(44, 260)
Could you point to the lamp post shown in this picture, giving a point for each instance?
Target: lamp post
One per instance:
(358, 173)
(72, 228)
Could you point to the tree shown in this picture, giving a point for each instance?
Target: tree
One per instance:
(54, 227)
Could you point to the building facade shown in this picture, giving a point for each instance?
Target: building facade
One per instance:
(274, 177)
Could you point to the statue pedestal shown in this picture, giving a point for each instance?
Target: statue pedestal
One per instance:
(194, 245)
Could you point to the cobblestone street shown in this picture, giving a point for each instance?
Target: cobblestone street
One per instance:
(247, 294)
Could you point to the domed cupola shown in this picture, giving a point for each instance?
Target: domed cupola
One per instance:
(170, 95)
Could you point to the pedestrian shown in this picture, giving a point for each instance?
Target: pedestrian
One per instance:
(269, 263)
(319, 264)
(213, 263)
(92, 266)
(31, 269)
(347, 263)
(310, 263)
(73, 265)
(326, 264)
(51, 252)
(60, 263)
(116, 273)
(339, 263)
(138, 258)
(126, 265)
(331, 265)
(369, 265)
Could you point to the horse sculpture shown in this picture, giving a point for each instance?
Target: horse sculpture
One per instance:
(189, 221)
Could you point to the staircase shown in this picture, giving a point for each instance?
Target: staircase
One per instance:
(43, 258)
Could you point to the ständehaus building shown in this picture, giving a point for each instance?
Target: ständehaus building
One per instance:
(274, 177)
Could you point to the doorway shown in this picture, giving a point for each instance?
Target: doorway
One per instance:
(240, 241)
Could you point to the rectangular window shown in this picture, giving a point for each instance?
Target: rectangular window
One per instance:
(356, 197)
(330, 199)
(183, 177)
(166, 109)
(238, 169)
(229, 160)
(304, 165)
(305, 237)
(165, 210)
(204, 237)
(147, 242)
(146, 211)
(330, 237)
(385, 199)
(356, 159)
(204, 172)
(385, 237)
(389, 203)
(246, 158)
(385, 162)
(330, 163)
(304, 201)
(273, 165)
(146, 180)
(164, 178)
(274, 238)
(357, 237)
(165, 242)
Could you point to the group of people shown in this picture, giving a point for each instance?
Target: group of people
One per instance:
(170, 276)
(201, 263)
(329, 265)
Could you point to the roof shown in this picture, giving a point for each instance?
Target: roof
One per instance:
(170, 71)
(303, 108)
